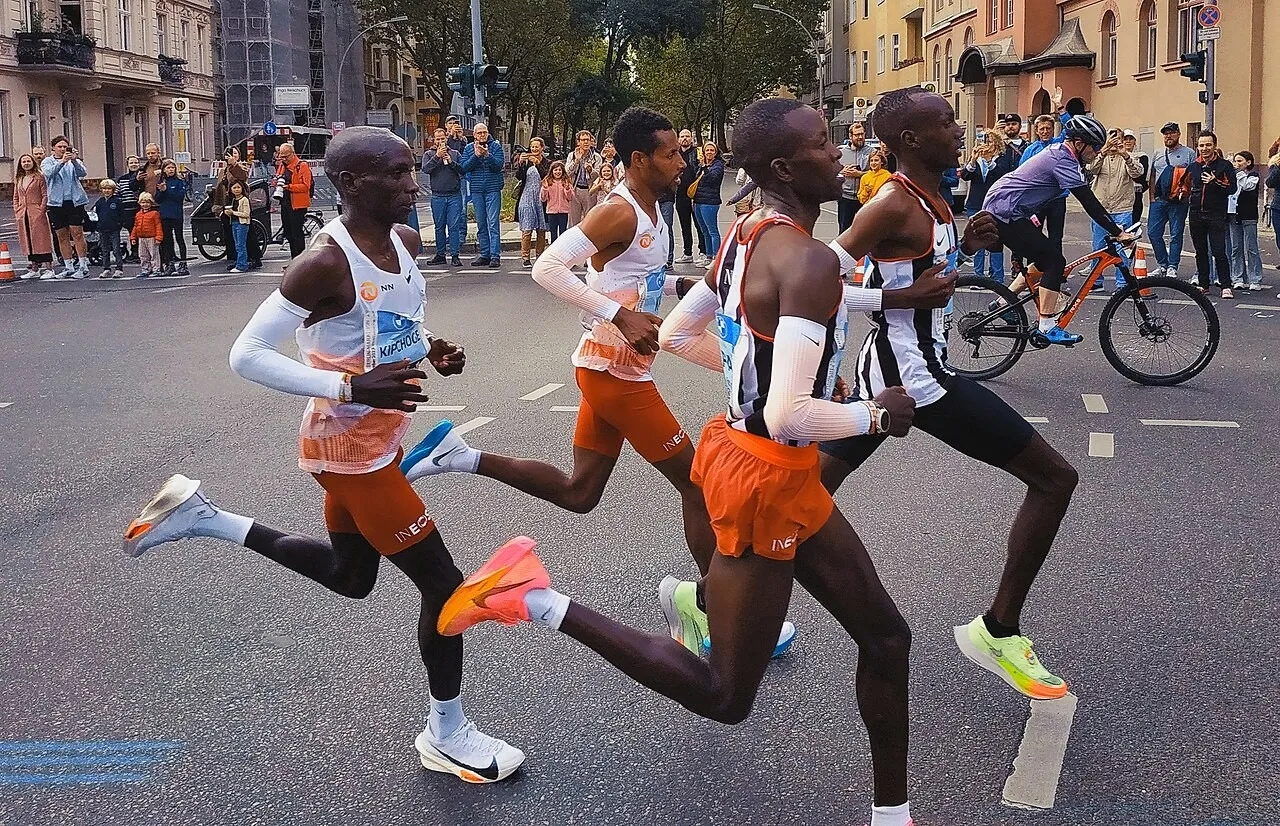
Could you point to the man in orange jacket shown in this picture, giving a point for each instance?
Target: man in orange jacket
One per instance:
(293, 176)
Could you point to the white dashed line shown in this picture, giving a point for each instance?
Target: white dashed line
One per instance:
(540, 392)
(1102, 445)
(1186, 423)
(3, 405)
(441, 408)
(1037, 419)
(564, 408)
(467, 427)
(173, 289)
(1093, 403)
(1034, 781)
(1259, 306)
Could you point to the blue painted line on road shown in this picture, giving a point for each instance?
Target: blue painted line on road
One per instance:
(70, 779)
(48, 761)
(63, 746)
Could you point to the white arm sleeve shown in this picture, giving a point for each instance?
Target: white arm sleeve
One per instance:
(856, 299)
(554, 273)
(791, 411)
(685, 330)
(256, 354)
(847, 261)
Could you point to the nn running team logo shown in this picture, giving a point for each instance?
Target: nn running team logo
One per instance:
(646, 241)
(368, 291)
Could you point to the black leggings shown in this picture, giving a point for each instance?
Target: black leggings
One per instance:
(173, 234)
(348, 565)
(1026, 240)
(1209, 237)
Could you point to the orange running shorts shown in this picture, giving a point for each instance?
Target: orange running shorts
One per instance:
(613, 409)
(381, 506)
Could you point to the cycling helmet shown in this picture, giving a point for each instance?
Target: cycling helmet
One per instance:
(1087, 129)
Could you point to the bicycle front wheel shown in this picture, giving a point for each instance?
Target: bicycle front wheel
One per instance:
(984, 340)
(1159, 331)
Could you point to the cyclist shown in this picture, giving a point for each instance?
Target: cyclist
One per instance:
(1016, 198)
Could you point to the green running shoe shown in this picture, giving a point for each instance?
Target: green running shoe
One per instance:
(686, 622)
(1012, 659)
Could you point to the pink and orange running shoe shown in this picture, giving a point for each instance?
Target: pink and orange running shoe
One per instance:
(496, 591)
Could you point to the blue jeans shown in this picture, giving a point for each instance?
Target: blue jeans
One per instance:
(1174, 216)
(489, 223)
(109, 243)
(997, 263)
(240, 234)
(411, 220)
(707, 216)
(448, 212)
(668, 210)
(1124, 219)
(1242, 249)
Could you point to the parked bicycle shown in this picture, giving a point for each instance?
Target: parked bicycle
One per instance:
(1155, 331)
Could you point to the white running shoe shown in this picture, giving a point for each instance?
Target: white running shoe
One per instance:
(82, 271)
(173, 513)
(469, 754)
(50, 275)
(31, 273)
(701, 261)
(440, 451)
(684, 259)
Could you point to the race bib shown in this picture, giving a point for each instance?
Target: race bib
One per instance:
(391, 337)
(651, 291)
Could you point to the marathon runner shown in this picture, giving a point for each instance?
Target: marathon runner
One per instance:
(354, 301)
(624, 243)
(908, 229)
(775, 293)
(1016, 199)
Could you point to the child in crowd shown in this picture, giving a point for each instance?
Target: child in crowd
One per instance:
(111, 211)
(148, 233)
(240, 215)
(557, 194)
(604, 184)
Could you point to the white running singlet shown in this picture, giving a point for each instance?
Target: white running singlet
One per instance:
(634, 279)
(747, 356)
(909, 347)
(384, 325)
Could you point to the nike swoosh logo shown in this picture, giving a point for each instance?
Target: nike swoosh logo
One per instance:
(439, 460)
(482, 600)
(815, 342)
(489, 772)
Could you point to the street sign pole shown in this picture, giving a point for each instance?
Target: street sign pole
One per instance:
(1209, 72)
(1210, 22)
(477, 57)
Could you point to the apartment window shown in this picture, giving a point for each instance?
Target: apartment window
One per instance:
(35, 119)
(200, 65)
(1188, 26)
(866, 9)
(124, 11)
(166, 118)
(4, 125)
(951, 69)
(72, 15)
(880, 55)
(31, 9)
(139, 130)
(897, 49)
(1008, 13)
(1147, 47)
(1109, 46)
(851, 11)
(162, 34)
(202, 136)
(184, 29)
(71, 121)
(866, 62)
(937, 65)
(994, 23)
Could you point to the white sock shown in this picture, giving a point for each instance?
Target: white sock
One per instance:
(1047, 324)
(225, 525)
(546, 607)
(446, 717)
(891, 815)
(469, 462)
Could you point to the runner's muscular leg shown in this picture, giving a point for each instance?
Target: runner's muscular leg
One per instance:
(833, 566)
(697, 524)
(347, 564)
(579, 492)
(431, 568)
(747, 600)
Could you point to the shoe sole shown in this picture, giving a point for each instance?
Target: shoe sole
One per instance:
(443, 765)
(779, 650)
(171, 496)
(979, 658)
(423, 448)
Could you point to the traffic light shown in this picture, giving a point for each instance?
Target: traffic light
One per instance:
(462, 81)
(1195, 68)
(504, 80)
(486, 75)
(1204, 96)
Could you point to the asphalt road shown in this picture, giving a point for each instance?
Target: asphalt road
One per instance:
(202, 684)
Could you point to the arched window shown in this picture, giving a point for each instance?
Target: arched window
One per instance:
(937, 66)
(1108, 45)
(950, 68)
(968, 37)
(1147, 45)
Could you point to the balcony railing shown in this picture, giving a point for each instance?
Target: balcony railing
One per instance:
(171, 73)
(54, 49)
(910, 61)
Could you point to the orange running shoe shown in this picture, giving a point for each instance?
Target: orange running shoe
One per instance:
(496, 591)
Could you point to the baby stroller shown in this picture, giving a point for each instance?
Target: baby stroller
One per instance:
(93, 241)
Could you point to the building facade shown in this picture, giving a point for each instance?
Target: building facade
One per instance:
(106, 75)
(393, 87)
(885, 42)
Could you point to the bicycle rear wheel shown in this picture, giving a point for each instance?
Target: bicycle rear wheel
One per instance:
(1162, 338)
(982, 341)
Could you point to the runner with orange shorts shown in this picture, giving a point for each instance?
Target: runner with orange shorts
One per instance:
(777, 298)
(623, 241)
(354, 301)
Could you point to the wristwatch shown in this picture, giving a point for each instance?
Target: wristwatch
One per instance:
(879, 418)
(344, 389)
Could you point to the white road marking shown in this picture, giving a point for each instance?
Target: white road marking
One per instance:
(467, 427)
(1034, 781)
(566, 408)
(1037, 419)
(1102, 445)
(441, 408)
(3, 405)
(173, 289)
(540, 392)
(1093, 403)
(1259, 306)
(1186, 423)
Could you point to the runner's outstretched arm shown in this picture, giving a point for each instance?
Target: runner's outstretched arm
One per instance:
(685, 331)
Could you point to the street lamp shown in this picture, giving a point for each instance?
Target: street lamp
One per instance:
(808, 35)
(354, 41)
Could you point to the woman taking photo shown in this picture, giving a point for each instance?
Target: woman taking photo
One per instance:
(532, 169)
(988, 163)
(705, 194)
(1242, 226)
(30, 213)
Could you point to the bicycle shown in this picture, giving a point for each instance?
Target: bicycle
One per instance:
(1174, 335)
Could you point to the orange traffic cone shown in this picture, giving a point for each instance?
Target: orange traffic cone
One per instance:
(859, 272)
(1140, 267)
(6, 264)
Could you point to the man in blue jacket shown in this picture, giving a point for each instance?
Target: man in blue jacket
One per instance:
(482, 162)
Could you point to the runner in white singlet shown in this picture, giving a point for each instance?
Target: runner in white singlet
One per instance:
(354, 302)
